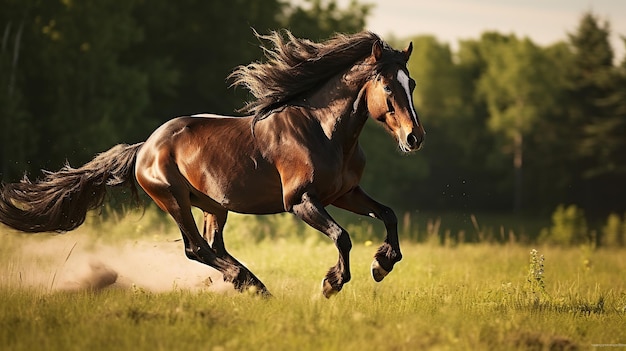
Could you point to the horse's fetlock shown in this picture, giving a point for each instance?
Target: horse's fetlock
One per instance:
(347, 277)
(233, 275)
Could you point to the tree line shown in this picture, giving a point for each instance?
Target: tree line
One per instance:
(511, 125)
(515, 126)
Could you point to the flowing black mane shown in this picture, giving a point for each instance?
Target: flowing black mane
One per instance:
(298, 66)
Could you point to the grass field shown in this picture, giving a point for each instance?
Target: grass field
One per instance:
(440, 297)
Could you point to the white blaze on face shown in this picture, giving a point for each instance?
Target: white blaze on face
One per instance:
(403, 78)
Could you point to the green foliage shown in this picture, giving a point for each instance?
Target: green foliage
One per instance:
(320, 19)
(450, 172)
(569, 227)
(614, 232)
(16, 119)
(114, 70)
(189, 56)
(391, 177)
(516, 86)
(77, 77)
(68, 71)
(595, 117)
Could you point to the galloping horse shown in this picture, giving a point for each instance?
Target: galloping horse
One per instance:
(297, 151)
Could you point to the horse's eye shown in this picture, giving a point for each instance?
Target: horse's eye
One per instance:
(387, 89)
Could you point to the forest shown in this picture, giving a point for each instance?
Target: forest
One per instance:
(512, 126)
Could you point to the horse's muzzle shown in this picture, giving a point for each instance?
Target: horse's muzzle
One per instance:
(414, 142)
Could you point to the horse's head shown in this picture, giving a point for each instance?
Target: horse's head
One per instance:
(389, 96)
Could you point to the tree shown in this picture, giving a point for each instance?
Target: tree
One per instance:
(548, 172)
(319, 19)
(438, 99)
(518, 90)
(73, 91)
(595, 93)
(79, 76)
(14, 120)
(188, 56)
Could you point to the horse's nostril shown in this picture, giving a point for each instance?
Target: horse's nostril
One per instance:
(412, 140)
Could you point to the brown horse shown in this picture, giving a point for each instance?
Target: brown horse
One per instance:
(297, 152)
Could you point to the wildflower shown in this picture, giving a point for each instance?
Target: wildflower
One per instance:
(535, 272)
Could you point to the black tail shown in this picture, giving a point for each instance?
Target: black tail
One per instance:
(61, 200)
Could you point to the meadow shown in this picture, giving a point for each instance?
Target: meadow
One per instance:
(446, 294)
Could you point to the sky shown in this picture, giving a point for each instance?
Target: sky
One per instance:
(543, 21)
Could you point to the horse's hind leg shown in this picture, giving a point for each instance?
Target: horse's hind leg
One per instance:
(213, 233)
(196, 248)
(170, 191)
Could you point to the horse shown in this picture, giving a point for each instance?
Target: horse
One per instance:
(296, 150)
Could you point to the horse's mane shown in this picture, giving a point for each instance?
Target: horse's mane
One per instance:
(297, 66)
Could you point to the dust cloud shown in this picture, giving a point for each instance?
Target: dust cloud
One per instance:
(71, 263)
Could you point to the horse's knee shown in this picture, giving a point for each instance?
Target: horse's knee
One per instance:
(343, 241)
(387, 215)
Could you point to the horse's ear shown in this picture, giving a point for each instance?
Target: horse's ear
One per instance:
(377, 50)
(407, 52)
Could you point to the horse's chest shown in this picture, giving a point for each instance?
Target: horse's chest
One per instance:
(341, 177)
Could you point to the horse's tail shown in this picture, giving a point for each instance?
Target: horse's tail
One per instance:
(61, 200)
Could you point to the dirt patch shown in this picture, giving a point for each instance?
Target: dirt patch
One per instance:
(71, 263)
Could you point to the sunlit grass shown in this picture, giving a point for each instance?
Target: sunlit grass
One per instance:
(450, 297)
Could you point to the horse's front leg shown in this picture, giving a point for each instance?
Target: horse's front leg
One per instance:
(311, 211)
(357, 201)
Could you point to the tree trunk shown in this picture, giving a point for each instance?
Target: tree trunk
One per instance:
(518, 159)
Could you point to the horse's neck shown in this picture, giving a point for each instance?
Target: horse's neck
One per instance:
(334, 105)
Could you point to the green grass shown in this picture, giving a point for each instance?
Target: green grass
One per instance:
(442, 297)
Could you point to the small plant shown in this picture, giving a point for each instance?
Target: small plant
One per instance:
(569, 226)
(614, 232)
(536, 284)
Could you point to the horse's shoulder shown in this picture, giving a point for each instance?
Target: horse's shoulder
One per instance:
(355, 158)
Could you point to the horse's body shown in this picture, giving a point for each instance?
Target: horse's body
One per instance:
(298, 152)
(207, 150)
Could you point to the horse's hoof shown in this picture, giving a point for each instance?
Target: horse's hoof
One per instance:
(378, 273)
(266, 294)
(328, 289)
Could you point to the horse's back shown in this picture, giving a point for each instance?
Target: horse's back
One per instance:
(217, 158)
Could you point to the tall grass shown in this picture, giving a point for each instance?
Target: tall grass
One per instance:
(445, 296)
